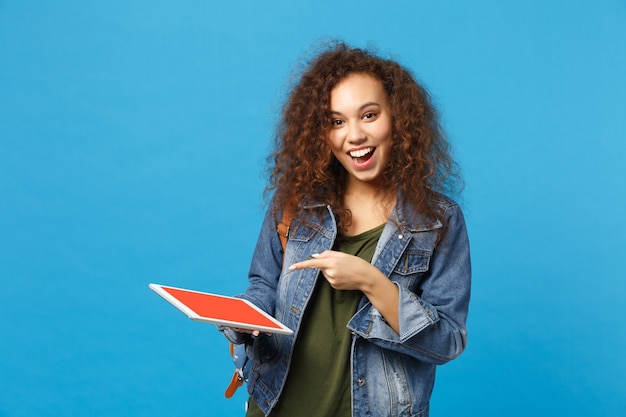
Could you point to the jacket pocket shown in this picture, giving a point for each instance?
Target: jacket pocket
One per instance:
(413, 261)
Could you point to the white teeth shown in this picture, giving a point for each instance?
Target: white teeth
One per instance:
(361, 152)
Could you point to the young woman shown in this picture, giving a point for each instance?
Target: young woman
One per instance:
(375, 278)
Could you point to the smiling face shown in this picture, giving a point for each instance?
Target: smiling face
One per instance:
(360, 136)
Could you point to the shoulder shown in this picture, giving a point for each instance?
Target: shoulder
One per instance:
(442, 202)
(443, 207)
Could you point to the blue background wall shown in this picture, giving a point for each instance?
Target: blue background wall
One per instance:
(132, 146)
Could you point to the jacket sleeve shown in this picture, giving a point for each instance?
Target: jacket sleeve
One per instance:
(432, 324)
(265, 269)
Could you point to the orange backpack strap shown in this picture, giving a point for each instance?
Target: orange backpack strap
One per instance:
(237, 379)
(283, 227)
(283, 233)
(235, 382)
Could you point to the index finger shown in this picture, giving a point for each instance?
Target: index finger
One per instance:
(309, 263)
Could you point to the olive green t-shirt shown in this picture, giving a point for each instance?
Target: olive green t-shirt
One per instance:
(318, 383)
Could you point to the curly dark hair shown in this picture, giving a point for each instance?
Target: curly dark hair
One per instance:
(302, 166)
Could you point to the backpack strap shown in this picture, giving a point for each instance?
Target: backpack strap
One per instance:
(238, 378)
(283, 227)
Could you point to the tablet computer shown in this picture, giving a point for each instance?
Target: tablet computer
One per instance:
(220, 309)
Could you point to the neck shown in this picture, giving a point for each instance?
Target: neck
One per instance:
(368, 191)
(370, 206)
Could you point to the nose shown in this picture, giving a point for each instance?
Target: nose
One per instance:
(356, 135)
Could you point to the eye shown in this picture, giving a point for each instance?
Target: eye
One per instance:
(336, 122)
(370, 115)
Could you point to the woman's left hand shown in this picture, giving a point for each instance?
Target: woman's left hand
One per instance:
(348, 272)
(342, 271)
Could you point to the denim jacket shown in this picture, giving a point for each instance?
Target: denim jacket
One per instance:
(392, 374)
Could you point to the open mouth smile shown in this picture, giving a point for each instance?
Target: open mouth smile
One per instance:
(363, 155)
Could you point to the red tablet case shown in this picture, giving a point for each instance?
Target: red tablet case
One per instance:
(220, 309)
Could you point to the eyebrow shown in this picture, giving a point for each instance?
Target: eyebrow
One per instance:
(363, 106)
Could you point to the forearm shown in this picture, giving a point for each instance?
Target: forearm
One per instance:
(384, 296)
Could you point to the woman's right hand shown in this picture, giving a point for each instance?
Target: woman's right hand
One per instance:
(254, 333)
(248, 331)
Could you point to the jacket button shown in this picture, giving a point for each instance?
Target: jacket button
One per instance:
(400, 236)
(361, 382)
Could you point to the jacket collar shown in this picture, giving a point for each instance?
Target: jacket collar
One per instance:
(402, 215)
